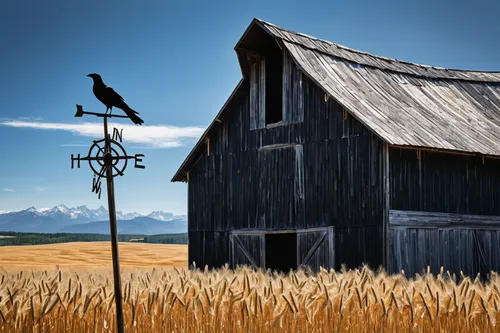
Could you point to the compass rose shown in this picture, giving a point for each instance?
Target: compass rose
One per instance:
(99, 157)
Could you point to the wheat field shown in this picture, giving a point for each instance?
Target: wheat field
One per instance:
(92, 255)
(245, 300)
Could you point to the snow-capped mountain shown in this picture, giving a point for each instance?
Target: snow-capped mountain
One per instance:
(64, 219)
(76, 213)
(162, 216)
(127, 216)
(85, 213)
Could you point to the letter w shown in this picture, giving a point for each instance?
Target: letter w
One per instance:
(96, 186)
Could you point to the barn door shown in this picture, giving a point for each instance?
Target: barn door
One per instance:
(316, 248)
(246, 249)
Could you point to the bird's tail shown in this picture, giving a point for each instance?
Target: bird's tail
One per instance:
(133, 115)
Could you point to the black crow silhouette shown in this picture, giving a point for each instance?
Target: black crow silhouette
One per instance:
(110, 98)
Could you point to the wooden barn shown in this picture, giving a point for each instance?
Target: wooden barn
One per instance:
(324, 156)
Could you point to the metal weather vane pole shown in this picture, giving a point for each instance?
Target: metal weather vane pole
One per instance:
(107, 157)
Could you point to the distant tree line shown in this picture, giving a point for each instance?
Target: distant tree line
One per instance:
(24, 238)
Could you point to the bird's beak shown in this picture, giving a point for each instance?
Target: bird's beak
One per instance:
(89, 75)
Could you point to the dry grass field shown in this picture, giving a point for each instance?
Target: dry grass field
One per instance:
(169, 299)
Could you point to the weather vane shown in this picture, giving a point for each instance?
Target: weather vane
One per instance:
(107, 158)
(105, 152)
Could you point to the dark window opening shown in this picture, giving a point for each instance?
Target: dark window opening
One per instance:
(281, 252)
(274, 90)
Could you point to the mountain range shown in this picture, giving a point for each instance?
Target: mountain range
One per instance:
(82, 219)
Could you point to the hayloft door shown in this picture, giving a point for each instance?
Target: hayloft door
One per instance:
(316, 248)
(280, 202)
(246, 249)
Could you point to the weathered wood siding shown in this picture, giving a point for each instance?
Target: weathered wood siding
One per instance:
(209, 248)
(468, 243)
(343, 163)
(320, 168)
(316, 248)
(444, 212)
(447, 183)
(258, 94)
(293, 93)
(247, 250)
(279, 199)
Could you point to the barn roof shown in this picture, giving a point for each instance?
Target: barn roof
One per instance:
(405, 104)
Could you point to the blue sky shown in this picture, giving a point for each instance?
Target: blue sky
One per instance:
(174, 63)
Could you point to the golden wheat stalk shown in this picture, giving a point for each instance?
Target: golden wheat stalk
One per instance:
(247, 300)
